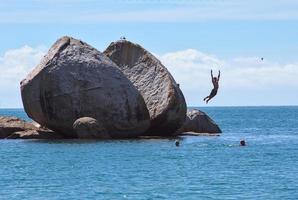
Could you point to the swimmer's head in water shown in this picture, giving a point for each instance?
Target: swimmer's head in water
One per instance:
(242, 143)
(177, 143)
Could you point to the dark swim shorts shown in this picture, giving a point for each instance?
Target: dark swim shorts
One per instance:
(213, 92)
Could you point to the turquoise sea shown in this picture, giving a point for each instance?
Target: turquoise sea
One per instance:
(201, 168)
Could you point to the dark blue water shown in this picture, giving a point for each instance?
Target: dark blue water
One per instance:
(201, 168)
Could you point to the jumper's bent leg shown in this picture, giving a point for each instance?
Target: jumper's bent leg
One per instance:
(210, 97)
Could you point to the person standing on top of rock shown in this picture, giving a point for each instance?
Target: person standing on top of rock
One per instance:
(215, 81)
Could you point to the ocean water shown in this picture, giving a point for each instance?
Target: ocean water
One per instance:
(201, 168)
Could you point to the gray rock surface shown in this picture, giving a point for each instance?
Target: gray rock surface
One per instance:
(88, 128)
(9, 125)
(15, 128)
(199, 122)
(189, 133)
(75, 80)
(36, 134)
(162, 95)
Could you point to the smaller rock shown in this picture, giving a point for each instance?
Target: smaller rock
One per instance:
(15, 128)
(9, 125)
(90, 128)
(35, 134)
(198, 122)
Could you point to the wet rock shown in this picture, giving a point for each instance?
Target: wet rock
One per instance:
(35, 134)
(15, 128)
(75, 80)
(199, 122)
(88, 128)
(9, 125)
(161, 93)
(198, 134)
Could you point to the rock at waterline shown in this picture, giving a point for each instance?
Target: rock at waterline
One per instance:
(35, 134)
(15, 128)
(9, 125)
(89, 128)
(199, 122)
(161, 93)
(75, 80)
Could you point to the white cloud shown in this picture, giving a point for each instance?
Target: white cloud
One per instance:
(244, 81)
(15, 64)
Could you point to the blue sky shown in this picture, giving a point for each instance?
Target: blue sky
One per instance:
(189, 36)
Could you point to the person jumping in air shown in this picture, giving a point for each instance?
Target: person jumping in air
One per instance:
(215, 81)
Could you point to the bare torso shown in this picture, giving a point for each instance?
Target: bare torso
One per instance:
(215, 84)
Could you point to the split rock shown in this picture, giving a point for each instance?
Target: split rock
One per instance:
(161, 93)
(74, 80)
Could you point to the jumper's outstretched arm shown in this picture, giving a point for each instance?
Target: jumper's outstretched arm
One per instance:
(218, 75)
(211, 75)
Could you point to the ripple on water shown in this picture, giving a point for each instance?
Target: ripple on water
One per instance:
(201, 168)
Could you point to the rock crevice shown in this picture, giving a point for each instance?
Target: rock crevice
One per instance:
(162, 95)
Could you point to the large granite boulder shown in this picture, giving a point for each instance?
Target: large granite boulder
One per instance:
(161, 93)
(89, 128)
(75, 80)
(199, 122)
